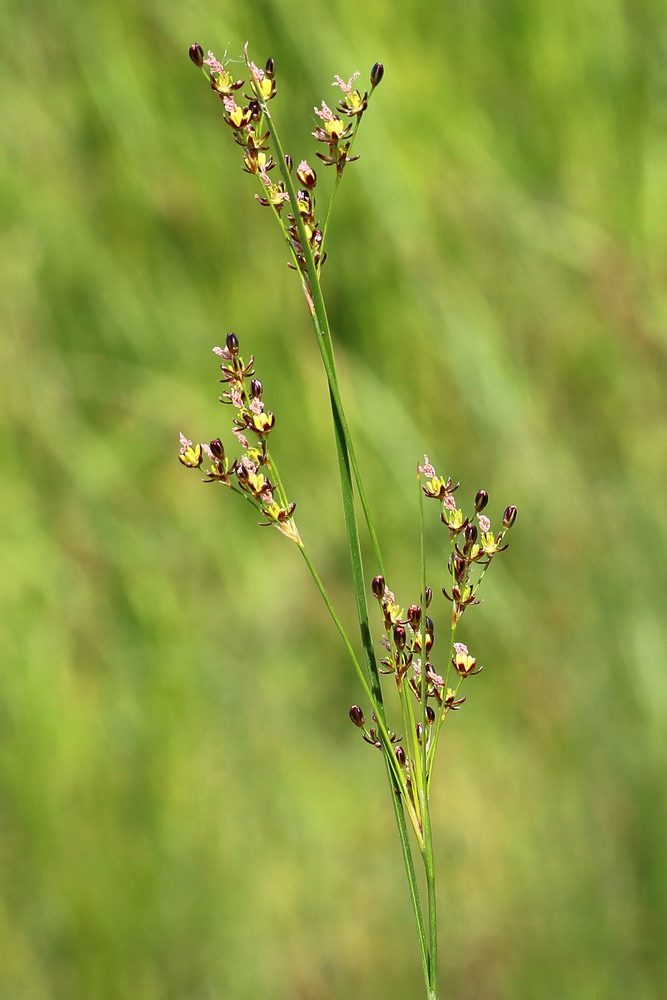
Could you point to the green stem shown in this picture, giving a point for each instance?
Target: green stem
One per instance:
(320, 322)
(429, 871)
(394, 774)
(349, 468)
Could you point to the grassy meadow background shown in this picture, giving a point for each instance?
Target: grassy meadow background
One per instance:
(186, 811)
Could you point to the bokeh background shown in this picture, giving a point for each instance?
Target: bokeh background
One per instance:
(187, 813)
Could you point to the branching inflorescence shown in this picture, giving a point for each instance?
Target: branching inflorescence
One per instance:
(426, 692)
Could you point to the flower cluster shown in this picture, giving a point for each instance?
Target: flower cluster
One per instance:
(251, 128)
(409, 641)
(252, 424)
(409, 635)
(479, 543)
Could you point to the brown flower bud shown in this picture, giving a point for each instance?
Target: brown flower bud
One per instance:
(197, 54)
(377, 587)
(217, 448)
(289, 162)
(509, 517)
(414, 615)
(357, 716)
(481, 500)
(270, 68)
(470, 536)
(429, 595)
(430, 715)
(256, 387)
(232, 343)
(376, 74)
(400, 756)
(399, 637)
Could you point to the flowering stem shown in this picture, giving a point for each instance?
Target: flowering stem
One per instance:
(349, 468)
(427, 852)
(322, 331)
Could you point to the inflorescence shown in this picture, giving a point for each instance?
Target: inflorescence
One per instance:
(249, 123)
(409, 635)
(251, 425)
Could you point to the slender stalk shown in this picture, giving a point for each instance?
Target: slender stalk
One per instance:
(348, 467)
(320, 322)
(394, 774)
(427, 853)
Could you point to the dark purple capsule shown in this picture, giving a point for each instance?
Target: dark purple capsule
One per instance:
(197, 54)
(217, 448)
(399, 637)
(481, 500)
(376, 74)
(509, 517)
(357, 716)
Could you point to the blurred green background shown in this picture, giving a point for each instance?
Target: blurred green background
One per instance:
(186, 810)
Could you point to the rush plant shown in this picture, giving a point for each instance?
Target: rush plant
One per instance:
(426, 689)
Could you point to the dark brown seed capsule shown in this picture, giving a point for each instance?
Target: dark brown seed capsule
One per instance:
(378, 587)
(414, 615)
(399, 637)
(470, 535)
(400, 756)
(430, 715)
(429, 595)
(256, 387)
(217, 448)
(509, 517)
(376, 74)
(197, 54)
(357, 716)
(270, 68)
(232, 343)
(289, 162)
(481, 500)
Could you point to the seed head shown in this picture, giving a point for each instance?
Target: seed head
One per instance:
(509, 517)
(217, 448)
(481, 500)
(399, 637)
(357, 716)
(197, 54)
(377, 73)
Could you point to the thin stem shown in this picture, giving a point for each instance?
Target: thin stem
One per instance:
(349, 468)
(339, 173)
(394, 774)
(320, 322)
(427, 854)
